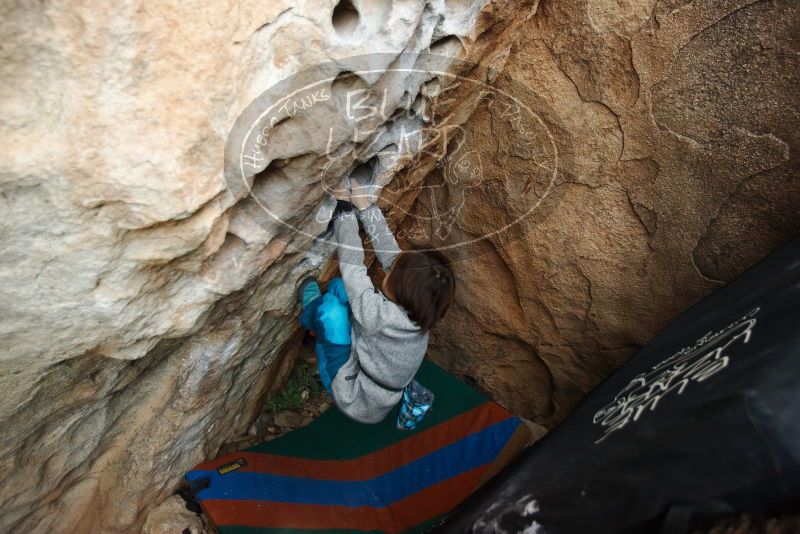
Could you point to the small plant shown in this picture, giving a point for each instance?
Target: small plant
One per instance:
(291, 396)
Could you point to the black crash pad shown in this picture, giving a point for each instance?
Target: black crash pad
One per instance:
(704, 421)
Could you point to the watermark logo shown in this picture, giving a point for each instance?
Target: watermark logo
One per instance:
(397, 124)
(710, 355)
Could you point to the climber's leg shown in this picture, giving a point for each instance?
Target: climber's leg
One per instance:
(336, 287)
(333, 316)
(330, 358)
(328, 317)
(308, 317)
(322, 360)
(308, 291)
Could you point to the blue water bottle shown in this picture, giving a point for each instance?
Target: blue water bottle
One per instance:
(417, 400)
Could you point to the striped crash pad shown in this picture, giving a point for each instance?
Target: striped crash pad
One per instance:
(337, 475)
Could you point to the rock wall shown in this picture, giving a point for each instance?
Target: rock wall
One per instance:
(145, 314)
(672, 127)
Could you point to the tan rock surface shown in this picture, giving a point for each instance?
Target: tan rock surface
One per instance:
(145, 313)
(289, 419)
(675, 133)
(172, 517)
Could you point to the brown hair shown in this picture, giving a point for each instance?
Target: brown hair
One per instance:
(421, 282)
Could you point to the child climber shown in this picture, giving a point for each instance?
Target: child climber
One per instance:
(371, 343)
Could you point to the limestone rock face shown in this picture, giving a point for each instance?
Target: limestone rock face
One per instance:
(145, 315)
(615, 162)
(672, 129)
(171, 517)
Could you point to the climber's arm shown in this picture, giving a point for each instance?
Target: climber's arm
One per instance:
(363, 197)
(366, 302)
(381, 238)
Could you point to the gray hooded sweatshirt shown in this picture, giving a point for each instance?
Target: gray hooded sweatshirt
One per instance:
(387, 347)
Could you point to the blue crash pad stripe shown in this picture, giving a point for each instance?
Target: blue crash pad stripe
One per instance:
(473, 451)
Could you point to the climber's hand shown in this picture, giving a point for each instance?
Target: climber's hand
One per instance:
(341, 193)
(362, 196)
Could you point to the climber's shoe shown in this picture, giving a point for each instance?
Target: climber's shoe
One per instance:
(308, 291)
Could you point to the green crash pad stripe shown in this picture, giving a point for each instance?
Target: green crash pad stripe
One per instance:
(335, 437)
